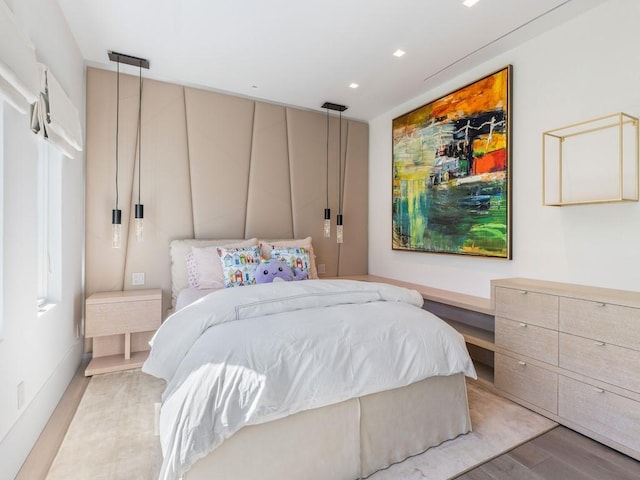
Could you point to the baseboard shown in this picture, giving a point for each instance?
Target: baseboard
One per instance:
(23, 435)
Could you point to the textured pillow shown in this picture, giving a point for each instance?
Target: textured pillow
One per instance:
(192, 270)
(295, 257)
(267, 245)
(239, 265)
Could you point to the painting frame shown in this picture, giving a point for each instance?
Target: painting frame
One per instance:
(451, 172)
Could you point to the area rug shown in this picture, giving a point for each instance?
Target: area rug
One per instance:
(111, 436)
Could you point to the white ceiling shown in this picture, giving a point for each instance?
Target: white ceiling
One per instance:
(303, 52)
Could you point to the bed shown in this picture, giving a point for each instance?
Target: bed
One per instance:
(316, 379)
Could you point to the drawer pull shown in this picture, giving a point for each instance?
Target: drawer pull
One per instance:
(523, 324)
(601, 304)
(599, 390)
(520, 362)
(523, 292)
(600, 344)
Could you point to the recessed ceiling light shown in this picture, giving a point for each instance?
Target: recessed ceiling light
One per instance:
(354, 85)
(399, 53)
(470, 3)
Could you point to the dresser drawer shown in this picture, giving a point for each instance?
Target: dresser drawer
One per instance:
(603, 412)
(526, 339)
(603, 361)
(526, 306)
(126, 317)
(605, 322)
(527, 382)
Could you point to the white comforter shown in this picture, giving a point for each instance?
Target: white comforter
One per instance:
(249, 355)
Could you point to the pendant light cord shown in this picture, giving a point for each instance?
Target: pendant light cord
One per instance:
(140, 135)
(327, 177)
(340, 178)
(117, 125)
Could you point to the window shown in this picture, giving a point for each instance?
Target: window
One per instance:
(49, 221)
(1, 213)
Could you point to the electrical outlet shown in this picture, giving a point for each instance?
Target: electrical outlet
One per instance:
(321, 268)
(137, 278)
(20, 395)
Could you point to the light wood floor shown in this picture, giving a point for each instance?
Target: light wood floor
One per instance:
(37, 464)
(558, 454)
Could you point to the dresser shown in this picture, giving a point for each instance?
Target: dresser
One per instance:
(571, 353)
(121, 324)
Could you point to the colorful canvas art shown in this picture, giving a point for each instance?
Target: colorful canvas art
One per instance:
(451, 172)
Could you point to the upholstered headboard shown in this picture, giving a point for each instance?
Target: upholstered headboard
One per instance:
(215, 166)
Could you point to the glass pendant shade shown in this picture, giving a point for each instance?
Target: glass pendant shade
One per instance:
(339, 230)
(116, 214)
(116, 228)
(139, 222)
(327, 223)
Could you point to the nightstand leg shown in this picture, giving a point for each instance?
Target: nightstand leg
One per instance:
(127, 346)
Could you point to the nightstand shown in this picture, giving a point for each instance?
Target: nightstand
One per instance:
(121, 325)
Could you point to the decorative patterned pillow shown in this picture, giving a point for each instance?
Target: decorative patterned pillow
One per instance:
(268, 245)
(295, 257)
(239, 265)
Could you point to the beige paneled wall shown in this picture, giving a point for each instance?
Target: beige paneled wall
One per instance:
(214, 166)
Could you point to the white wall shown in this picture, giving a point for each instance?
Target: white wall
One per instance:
(586, 68)
(41, 351)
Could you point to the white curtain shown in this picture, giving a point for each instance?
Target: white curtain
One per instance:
(19, 78)
(55, 117)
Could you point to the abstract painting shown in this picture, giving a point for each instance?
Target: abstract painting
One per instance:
(451, 172)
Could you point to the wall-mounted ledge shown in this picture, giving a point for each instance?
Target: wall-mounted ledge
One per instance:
(447, 297)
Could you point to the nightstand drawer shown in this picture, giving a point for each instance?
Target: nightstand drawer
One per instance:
(602, 321)
(526, 339)
(527, 382)
(526, 306)
(602, 412)
(114, 318)
(603, 361)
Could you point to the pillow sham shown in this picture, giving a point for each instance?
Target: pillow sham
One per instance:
(267, 245)
(238, 265)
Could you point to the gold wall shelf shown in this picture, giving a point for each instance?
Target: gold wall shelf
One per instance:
(595, 161)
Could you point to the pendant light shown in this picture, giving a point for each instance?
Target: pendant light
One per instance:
(341, 178)
(116, 213)
(139, 208)
(339, 227)
(327, 211)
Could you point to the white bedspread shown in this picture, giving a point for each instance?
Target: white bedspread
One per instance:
(249, 355)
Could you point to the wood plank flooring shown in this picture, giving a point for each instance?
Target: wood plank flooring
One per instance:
(560, 454)
(37, 464)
